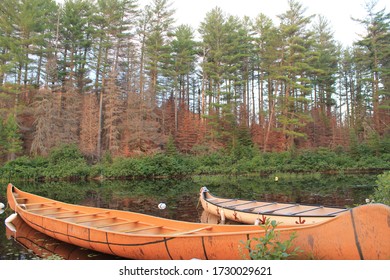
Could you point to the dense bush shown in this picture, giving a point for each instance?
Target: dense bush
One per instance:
(24, 168)
(382, 193)
(66, 162)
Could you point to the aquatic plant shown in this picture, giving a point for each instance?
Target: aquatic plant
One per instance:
(269, 246)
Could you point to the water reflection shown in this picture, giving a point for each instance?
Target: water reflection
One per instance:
(46, 247)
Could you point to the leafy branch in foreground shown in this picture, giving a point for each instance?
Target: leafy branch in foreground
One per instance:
(382, 192)
(269, 246)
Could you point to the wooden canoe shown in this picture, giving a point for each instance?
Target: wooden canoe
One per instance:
(256, 212)
(360, 233)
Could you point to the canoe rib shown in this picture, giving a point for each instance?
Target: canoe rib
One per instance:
(193, 231)
(278, 209)
(83, 215)
(308, 210)
(43, 209)
(115, 224)
(98, 219)
(253, 208)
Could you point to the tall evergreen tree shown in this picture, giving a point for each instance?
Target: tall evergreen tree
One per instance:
(157, 41)
(267, 53)
(375, 46)
(180, 66)
(12, 141)
(296, 67)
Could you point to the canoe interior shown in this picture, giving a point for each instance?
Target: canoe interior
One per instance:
(274, 208)
(116, 221)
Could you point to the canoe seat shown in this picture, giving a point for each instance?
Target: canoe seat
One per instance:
(43, 209)
(83, 215)
(39, 203)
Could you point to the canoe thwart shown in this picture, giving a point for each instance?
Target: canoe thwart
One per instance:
(43, 209)
(115, 224)
(278, 209)
(39, 203)
(253, 208)
(240, 204)
(308, 210)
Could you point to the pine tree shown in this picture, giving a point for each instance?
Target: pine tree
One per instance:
(179, 66)
(12, 141)
(76, 39)
(296, 67)
(375, 47)
(156, 43)
(267, 52)
(324, 83)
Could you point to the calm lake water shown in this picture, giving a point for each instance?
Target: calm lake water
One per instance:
(181, 198)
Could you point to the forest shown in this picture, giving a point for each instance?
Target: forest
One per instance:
(114, 79)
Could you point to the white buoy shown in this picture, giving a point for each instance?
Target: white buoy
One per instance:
(2, 205)
(162, 206)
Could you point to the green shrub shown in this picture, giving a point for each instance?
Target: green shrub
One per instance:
(66, 162)
(24, 168)
(269, 246)
(382, 192)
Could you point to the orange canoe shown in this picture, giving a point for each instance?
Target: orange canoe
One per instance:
(360, 233)
(256, 212)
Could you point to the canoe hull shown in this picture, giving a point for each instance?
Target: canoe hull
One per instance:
(226, 210)
(360, 233)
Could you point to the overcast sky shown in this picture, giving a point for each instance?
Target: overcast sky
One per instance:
(338, 12)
